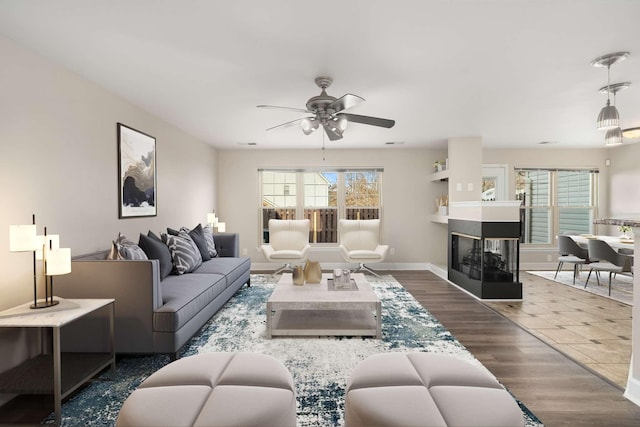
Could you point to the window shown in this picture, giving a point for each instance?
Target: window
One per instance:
(322, 196)
(556, 202)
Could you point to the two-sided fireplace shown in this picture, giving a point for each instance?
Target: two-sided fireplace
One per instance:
(484, 258)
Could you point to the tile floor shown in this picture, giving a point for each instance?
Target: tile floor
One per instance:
(593, 330)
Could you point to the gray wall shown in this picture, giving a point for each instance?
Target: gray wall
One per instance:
(58, 159)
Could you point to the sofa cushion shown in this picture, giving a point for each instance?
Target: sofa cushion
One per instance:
(184, 252)
(156, 249)
(231, 268)
(183, 297)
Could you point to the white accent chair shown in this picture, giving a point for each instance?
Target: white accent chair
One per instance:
(359, 241)
(288, 242)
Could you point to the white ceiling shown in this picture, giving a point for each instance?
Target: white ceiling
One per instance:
(516, 72)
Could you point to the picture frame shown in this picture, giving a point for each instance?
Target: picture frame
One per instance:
(137, 173)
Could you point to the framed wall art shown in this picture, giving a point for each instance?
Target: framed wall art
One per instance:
(137, 175)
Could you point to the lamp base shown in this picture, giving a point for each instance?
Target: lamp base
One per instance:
(45, 304)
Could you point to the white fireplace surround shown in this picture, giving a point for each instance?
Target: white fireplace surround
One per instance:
(486, 211)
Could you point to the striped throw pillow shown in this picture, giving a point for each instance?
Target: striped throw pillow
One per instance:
(184, 253)
(208, 237)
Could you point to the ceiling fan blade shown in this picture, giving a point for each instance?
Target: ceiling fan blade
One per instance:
(368, 120)
(333, 135)
(300, 110)
(347, 101)
(287, 124)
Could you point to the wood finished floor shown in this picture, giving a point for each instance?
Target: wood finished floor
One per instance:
(557, 389)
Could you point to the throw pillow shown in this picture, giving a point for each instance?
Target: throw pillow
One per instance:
(208, 236)
(197, 236)
(172, 231)
(123, 248)
(184, 253)
(155, 249)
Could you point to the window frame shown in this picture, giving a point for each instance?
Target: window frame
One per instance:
(301, 208)
(554, 207)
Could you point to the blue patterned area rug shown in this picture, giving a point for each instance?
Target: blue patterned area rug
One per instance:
(320, 366)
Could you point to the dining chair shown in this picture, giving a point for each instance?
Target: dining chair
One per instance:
(573, 253)
(608, 260)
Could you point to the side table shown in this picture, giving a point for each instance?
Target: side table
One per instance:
(43, 374)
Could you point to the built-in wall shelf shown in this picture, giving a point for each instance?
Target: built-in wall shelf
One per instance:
(438, 178)
(442, 176)
(442, 219)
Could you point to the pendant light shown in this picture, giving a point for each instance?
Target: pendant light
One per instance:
(613, 136)
(609, 118)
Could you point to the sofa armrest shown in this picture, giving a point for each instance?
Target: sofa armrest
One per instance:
(227, 244)
(135, 286)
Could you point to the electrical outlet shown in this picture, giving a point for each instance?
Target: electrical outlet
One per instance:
(244, 251)
(548, 257)
(392, 251)
(459, 186)
(470, 186)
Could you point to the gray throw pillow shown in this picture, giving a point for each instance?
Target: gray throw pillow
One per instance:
(184, 253)
(208, 237)
(197, 236)
(123, 248)
(156, 249)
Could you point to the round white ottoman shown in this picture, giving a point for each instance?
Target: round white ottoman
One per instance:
(422, 389)
(215, 389)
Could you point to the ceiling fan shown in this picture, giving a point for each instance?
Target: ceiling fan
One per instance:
(327, 112)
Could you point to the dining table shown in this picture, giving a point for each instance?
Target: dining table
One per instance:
(616, 242)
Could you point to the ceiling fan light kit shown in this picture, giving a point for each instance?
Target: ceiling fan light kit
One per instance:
(327, 111)
(609, 117)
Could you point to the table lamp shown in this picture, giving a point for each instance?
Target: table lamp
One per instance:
(55, 260)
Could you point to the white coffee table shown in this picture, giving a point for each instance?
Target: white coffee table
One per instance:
(320, 309)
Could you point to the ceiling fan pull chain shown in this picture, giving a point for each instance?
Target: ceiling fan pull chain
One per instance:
(323, 159)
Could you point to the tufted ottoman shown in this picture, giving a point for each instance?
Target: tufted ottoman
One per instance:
(215, 389)
(422, 389)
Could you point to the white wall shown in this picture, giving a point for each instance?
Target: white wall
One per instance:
(408, 197)
(58, 159)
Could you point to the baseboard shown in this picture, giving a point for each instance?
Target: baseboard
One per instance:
(633, 388)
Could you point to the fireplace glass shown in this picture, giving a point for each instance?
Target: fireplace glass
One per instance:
(485, 259)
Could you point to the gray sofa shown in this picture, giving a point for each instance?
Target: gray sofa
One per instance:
(151, 315)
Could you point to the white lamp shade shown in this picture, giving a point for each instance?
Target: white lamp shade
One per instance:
(58, 262)
(211, 218)
(221, 227)
(309, 125)
(22, 238)
(50, 241)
